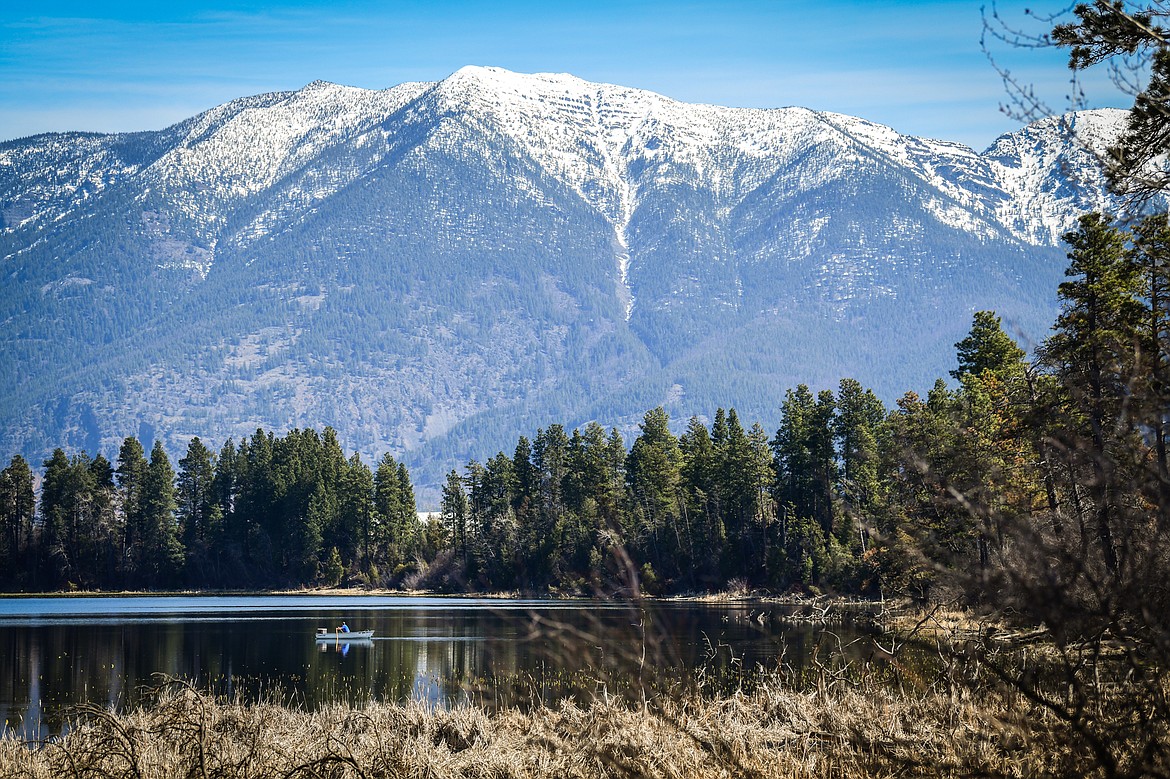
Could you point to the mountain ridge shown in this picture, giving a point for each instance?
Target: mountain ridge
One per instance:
(435, 268)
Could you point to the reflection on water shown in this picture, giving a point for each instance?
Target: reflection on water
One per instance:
(342, 647)
(58, 652)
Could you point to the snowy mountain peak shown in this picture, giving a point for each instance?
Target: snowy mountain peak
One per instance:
(431, 264)
(507, 80)
(608, 143)
(604, 141)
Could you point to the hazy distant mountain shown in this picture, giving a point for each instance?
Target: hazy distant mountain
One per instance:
(434, 269)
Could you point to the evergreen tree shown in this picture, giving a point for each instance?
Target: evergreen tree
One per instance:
(1094, 352)
(224, 561)
(408, 531)
(922, 529)
(131, 475)
(613, 494)
(993, 464)
(305, 543)
(759, 479)
(654, 474)
(104, 519)
(334, 568)
(295, 474)
(541, 532)
(495, 531)
(391, 531)
(858, 429)
(255, 505)
(197, 513)
(356, 511)
(987, 348)
(1150, 253)
(593, 493)
(454, 510)
(17, 510)
(736, 493)
(705, 532)
(162, 552)
(805, 455)
(77, 520)
(59, 508)
(478, 521)
(525, 491)
(1130, 37)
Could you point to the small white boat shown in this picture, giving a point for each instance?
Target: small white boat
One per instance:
(325, 634)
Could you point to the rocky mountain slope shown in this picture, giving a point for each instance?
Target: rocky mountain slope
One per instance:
(436, 268)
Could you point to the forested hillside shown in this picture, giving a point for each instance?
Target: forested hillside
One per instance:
(1063, 456)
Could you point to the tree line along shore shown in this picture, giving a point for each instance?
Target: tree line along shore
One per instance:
(845, 496)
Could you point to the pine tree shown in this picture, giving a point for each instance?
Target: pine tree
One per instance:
(162, 558)
(496, 539)
(1150, 253)
(193, 493)
(334, 568)
(993, 465)
(541, 532)
(1094, 352)
(760, 477)
(224, 487)
(1129, 37)
(653, 471)
(478, 521)
(17, 510)
(987, 348)
(254, 509)
(525, 492)
(805, 455)
(857, 429)
(735, 490)
(703, 523)
(59, 501)
(131, 474)
(454, 511)
(389, 542)
(922, 528)
(103, 516)
(408, 528)
(613, 497)
(355, 499)
(305, 542)
(79, 532)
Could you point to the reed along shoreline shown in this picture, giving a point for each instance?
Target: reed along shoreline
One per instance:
(856, 729)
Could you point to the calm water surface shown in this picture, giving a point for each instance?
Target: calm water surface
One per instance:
(59, 652)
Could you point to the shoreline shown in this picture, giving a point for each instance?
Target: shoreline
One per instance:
(824, 601)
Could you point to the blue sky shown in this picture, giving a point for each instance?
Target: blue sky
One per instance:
(915, 65)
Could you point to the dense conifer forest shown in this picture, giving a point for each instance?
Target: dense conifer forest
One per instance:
(1066, 451)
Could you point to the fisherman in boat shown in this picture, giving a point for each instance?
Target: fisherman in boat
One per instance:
(344, 628)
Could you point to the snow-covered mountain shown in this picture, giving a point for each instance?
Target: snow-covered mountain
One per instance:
(436, 268)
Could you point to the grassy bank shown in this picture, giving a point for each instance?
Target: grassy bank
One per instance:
(830, 729)
(954, 695)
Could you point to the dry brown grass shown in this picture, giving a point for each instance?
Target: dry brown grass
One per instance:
(831, 730)
(951, 697)
(948, 624)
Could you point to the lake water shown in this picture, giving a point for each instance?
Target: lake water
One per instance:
(56, 653)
